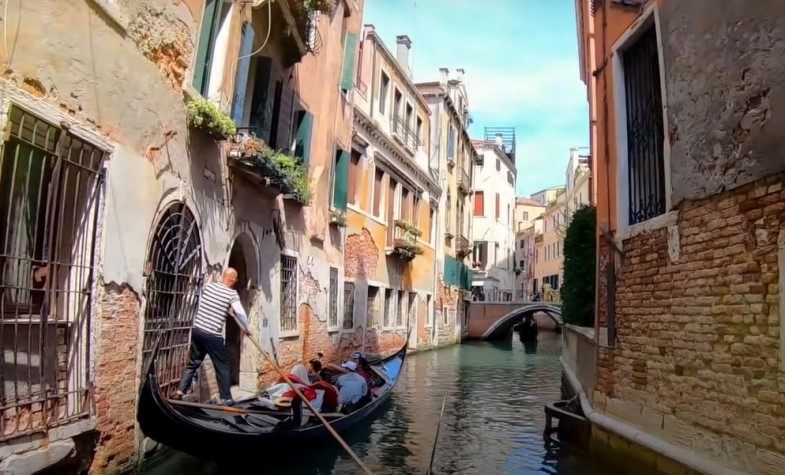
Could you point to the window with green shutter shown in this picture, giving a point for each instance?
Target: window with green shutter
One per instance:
(215, 11)
(241, 76)
(347, 80)
(302, 139)
(340, 179)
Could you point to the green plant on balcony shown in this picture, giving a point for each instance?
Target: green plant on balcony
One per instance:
(408, 226)
(282, 170)
(408, 246)
(338, 217)
(303, 10)
(207, 116)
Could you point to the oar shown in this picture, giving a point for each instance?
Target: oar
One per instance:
(239, 410)
(436, 438)
(308, 404)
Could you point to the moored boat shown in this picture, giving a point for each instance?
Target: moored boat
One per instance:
(218, 433)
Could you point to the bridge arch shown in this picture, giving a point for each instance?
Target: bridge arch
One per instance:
(504, 324)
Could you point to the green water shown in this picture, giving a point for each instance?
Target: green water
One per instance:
(493, 421)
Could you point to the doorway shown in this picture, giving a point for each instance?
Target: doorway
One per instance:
(234, 337)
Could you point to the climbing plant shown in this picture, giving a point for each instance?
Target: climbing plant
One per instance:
(577, 292)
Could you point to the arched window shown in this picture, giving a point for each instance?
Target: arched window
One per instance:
(174, 278)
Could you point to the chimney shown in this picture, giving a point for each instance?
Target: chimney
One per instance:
(444, 72)
(459, 74)
(404, 46)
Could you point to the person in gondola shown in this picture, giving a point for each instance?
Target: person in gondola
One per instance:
(215, 303)
(352, 388)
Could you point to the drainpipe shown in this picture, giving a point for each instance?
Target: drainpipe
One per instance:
(681, 455)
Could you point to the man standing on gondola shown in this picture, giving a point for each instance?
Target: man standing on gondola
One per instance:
(215, 303)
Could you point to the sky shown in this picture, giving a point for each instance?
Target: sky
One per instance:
(521, 62)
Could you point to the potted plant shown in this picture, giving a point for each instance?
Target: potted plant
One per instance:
(207, 116)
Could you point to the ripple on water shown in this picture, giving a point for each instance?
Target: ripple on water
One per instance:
(492, 423)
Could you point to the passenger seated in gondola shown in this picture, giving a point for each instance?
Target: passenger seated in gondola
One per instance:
(352, 388)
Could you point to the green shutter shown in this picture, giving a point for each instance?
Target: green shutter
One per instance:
(205, 45)
(303, 137)
(340, 181)
(241, 76)
(348, 61)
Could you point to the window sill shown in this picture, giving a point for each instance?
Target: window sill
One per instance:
(670, 218)
(333, 329)
(346, 330)
(361, 211)
(289, 334)
(112, 12)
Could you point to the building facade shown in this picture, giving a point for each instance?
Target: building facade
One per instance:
(690, 312)
(527, 226)
(451, 159)
(134, 197)
(393, 199)
(493, 237)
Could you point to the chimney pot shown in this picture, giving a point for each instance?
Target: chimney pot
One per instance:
(404, 46)
(444, 72)
(498, 140)
(459, 74)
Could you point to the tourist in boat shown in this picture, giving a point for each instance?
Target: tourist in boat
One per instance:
(352, 388)
(215, 302)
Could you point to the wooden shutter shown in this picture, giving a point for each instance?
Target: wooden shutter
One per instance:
(340, 179)
(497, 205)
(354, 174)
(241, 76)
(286, 119)
(347, 80)
(261, 89)
(202, 66)
(377, 192)
(303, 138)
(479, 203)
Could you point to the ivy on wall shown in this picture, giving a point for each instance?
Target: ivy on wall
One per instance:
(577, 292)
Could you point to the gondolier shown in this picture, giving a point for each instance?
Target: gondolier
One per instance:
(215, 302)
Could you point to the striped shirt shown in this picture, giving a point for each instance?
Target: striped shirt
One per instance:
(214, 305)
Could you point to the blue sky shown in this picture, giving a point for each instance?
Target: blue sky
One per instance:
(521, 62)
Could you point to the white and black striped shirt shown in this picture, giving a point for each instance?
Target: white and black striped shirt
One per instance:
(214, 305)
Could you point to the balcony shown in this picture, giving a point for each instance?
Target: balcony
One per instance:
(464, 247)
(402, 241)
(405, 135)
(297, 17)
(464, 181)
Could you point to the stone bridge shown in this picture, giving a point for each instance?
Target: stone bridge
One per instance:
(491, 320)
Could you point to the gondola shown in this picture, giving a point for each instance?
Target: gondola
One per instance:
(216, 434)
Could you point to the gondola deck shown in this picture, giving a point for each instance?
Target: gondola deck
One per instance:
(216, 433)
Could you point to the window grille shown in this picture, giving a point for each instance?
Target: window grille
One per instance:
(174, 279)
(373, 306)
(333, 297)
(388, 305)
(645, 134)
(288, 293)
(348, 305)
(51, 185)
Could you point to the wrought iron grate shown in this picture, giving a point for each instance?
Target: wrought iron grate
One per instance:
(174, 280)
(348, 305)
(373, 306)
(645, 135)
(333, 297)
(51, 185)
(288, 293)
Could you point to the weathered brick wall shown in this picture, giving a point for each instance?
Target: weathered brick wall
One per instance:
(116, 377)
(698, 331)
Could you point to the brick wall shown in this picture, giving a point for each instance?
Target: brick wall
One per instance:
(115, 377)
(698, 329)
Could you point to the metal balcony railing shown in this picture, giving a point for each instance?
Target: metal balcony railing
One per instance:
(465, 182)
(403, 132)
(403, 241)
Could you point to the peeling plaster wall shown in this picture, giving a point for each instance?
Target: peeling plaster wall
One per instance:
(725, 115)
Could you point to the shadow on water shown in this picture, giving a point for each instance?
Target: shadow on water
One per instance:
(493, 421)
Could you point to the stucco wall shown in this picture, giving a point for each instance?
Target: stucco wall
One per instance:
(739, 91)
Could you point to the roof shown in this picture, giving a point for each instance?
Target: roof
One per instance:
(528, 202)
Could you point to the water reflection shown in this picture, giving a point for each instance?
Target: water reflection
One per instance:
(493, 420)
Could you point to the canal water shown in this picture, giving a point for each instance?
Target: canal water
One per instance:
(493, 421)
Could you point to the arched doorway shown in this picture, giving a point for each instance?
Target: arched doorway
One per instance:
(243, 258)
(174, 278)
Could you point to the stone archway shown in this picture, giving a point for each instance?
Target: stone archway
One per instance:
(243, 257)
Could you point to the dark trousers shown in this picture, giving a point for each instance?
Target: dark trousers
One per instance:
(202, 344)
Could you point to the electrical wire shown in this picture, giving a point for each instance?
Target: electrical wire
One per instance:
(267, 37)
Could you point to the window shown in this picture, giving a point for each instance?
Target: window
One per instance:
(645, 129)
(349, 52)
(396, 108)
(340, 179)
(348, 305)
(388, 306)
(507, 216)
(497, 205)
(479, 203)
(418, 132)
(302, 139)
(451, 142)
(373, 306)
(288, 293)
(403, 211)
(498, 165)
(48, 230)
(431, 219)
(522, 243)
(412, 316)
(384, 89)
(521, 264)
(481, 253)
(416, 212)
(215, 12)
(408, 117)
(354, 176)
(333, 297)
(429, 310)
(525, 216)
(378, 188)
(241, 75)
(400, 308)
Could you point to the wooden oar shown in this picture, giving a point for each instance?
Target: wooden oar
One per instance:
(436, 438)
(240, 410)
(309, 405)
